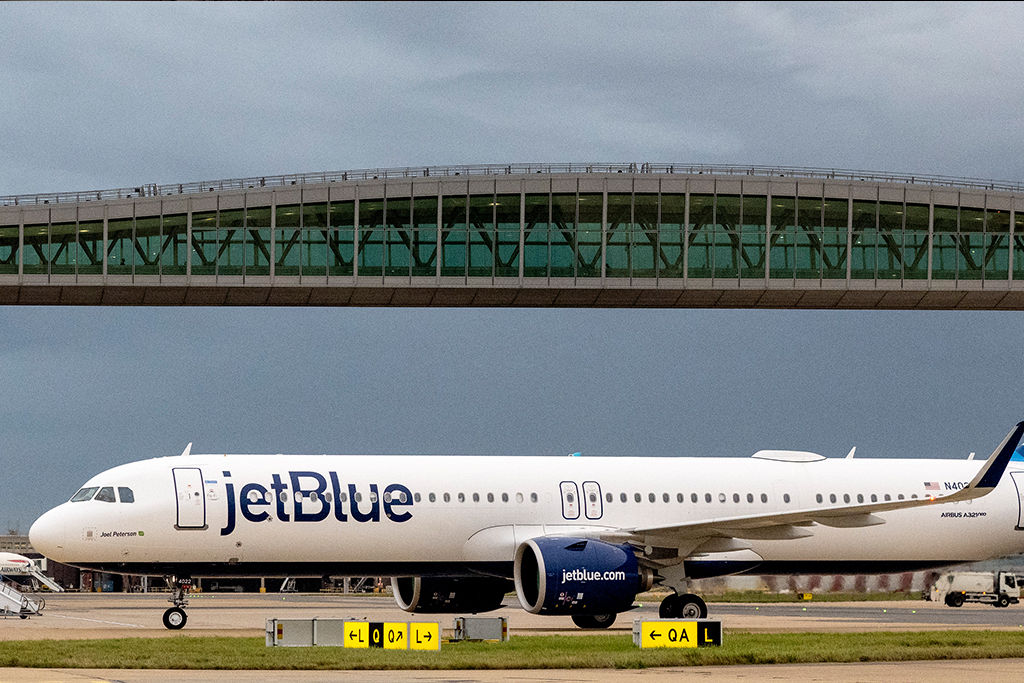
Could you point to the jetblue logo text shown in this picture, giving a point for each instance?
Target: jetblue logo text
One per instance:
(310, 497)
(587, 575)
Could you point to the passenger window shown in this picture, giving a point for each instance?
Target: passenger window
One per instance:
(874, 497)
(651, 497)
(533, 497)
(831, 497)
(622, 497)
(679, 498)
(846, 497)
(721, 497)
(888, 497)
(609, 497)
(900, 496)
(785, 498)
(432, 497)
(750, 497)
(636, 497)
(819, 498)
(504, 498)
(416, 497)
(447, 497)
(106, 494)
(860, 497)
(764, 497)
(462, 497)
(707, 497)
(693, 498)
(664, 497)
(735, 497)
(85, 494)
(327, 496)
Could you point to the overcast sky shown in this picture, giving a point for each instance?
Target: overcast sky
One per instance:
(104, 95)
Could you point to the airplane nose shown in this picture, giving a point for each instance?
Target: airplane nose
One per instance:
(47, 534)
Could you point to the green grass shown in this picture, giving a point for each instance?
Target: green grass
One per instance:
(524, 652)
(763, 596)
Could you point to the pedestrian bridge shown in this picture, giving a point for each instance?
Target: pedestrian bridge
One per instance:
(598, 235)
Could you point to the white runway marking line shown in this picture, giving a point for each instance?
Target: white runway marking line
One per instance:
(95, 621)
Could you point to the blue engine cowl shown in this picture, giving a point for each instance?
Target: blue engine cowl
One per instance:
(446, 595)
(555, 575)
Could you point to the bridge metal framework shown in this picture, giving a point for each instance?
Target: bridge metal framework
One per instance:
(597, 235)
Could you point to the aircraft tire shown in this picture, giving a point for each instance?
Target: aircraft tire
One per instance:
(175, 618)
(692, 607)
(593, 620)
(670, 607)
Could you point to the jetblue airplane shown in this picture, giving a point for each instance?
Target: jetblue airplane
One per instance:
(572, 536)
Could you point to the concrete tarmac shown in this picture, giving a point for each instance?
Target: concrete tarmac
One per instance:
(80, 616)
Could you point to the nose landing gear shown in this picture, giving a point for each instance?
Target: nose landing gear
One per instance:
(175, 617)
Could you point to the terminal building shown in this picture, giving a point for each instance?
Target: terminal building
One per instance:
(545, 235)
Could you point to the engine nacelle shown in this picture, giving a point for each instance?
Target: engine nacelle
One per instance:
(555, 575)
(444, 595)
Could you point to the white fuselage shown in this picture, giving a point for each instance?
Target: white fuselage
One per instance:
(205, 515)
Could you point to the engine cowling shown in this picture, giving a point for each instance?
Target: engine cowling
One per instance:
(445, 595)
(556, 575)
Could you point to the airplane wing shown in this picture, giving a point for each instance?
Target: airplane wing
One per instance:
(791, 525)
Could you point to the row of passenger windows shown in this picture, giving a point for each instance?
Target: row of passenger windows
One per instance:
(861, 498)
(104, 494)
(681, 498)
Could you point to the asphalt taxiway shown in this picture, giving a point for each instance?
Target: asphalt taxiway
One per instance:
(119, 615)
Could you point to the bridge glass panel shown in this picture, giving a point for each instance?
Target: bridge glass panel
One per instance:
(562, 235)
(454, 236)
(257, 241)
(288, 240)
(782, 241)
(63, 248)
(701, 236)
(90, 248)
(1018, 246)
(644, 236)
(672, 231)
(915, 242)
(809, 234)
(506, 216)
(944, 243)
(9, 250)
(971, 245)
(204, 243)
(728, 253)
(398, 248)
(313, 243)
(618, 254)
(424, 236)
(997, 245)
(537, 212)
(174, 244)
(341, 239)
(588, 236)
(753, 232)
(120, 252)
(371, 237)
(35, 253)
(147, 245)
(889, 247)
(481, 236)
(230, 242)
(835, 215)
(865, 240)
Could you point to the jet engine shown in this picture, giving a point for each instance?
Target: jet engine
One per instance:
(438, 595)
(578, 576)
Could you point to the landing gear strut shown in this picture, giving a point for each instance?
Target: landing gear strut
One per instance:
(175, 617)
(683, 606)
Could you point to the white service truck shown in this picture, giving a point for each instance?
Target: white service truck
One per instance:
(1000, 589)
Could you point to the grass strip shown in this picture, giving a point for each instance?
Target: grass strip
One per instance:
(523, 652)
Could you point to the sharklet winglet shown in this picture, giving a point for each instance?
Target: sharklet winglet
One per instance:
(188, 450)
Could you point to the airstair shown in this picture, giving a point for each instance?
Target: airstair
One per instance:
(15, 603)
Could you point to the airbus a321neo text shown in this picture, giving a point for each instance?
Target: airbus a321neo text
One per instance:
(574, 536)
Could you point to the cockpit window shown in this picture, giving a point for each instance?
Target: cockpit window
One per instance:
(106, 494)
(126, 494)
(85, 494)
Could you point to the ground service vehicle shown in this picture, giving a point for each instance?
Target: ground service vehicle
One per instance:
(1000, 589)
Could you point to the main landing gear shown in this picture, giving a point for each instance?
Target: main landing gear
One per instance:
(593, 620)
(683, 606)
(175, 617)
